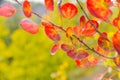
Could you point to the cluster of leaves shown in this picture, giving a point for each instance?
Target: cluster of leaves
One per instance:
(100, 9)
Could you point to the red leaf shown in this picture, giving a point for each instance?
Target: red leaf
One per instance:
(100, 8)
(116, 41)
(77, 54)
(82, 21)
(118, 1)
(49, 4)
(89, 29)
(54, 49)
(51, 31)
(68, 10)
(104, 43)
(66, 47)
(27, 8)
(84, 63)
(116, 22)
(117, 60)
(7, 10)
(29, 26)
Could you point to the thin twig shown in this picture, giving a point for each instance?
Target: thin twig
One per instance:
(62, 29)
(90, 20)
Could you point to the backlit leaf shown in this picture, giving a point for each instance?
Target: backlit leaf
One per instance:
(104, 43)
(116, 41)
(29, 26)
(116, 22)
(27, 8)
(117, 60)
(93, 61)
(51, 31)
(68, 10)
(100, 8)
(89, 30)
(7, 10)
(84, 63)
(54, 48)
(77, 30)
(49, 4)
(102, 51)
(69, 32)
(118, 1)
(82, 21)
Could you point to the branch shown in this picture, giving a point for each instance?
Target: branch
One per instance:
(59, 27)
(90, 20)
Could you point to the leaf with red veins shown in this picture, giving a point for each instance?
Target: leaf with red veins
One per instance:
(77, 54)
(101, 51)
(100, 8)
(89, 30)
(27, 8)
(7, 10)
(117, 60)
(51, 31)
(54, 49)
(116, 22)
(69, 32)
(82, 21)
(66, 47)
(77, 30)
(68, 10)
(49, 4)
(104, 43)
(116, 41)
(29, 26)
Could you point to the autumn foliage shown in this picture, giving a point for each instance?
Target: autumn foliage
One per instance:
(84, 56)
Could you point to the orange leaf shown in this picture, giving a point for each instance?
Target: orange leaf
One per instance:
(93, 61)
(116, 41)
(101, 51)
(89, 30)
(7, 10)
(100, 8)
(29, 26)
(27, 8)
(68, 10)
(49, 4)
(69, 32)
(117, 60)
(54, 49)
(77, 30)
(51, 31)
(104, 43)
(116, 22)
